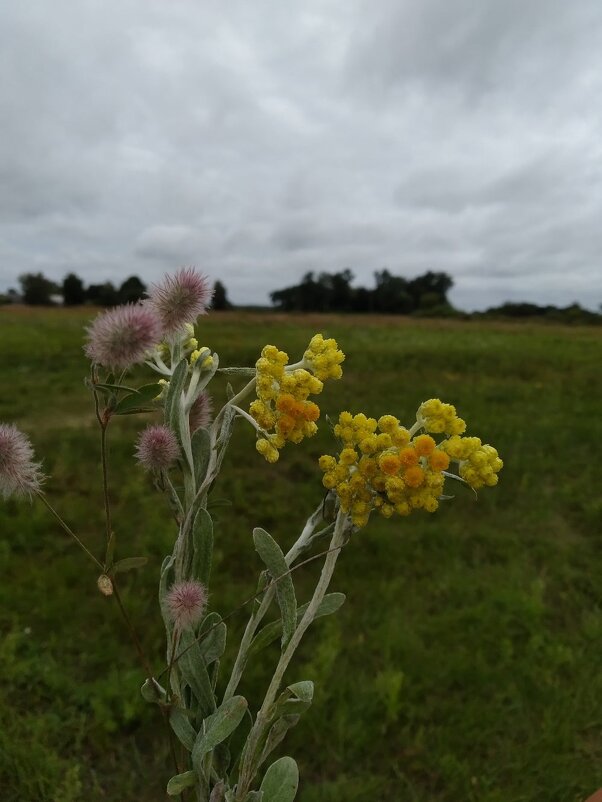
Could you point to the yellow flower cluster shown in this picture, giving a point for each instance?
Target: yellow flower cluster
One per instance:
(386, 467)
(324, 357)
(479, 464)
(439, 418)
(282, 408)
(381, 466)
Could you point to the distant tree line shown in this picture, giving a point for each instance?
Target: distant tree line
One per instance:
(317, 292)
(332, 292)
(37, 290)
(574, 313)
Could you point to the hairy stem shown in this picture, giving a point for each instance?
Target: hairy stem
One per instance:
(251, 757)
(257, 617)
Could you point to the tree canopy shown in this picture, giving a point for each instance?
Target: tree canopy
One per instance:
(333, 292)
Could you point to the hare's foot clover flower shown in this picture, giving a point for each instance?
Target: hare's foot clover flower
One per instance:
(282, 409)
(19, 474)
(384, 466)
(186, 603)
(120, 338)
(180, 299)
(157, 448)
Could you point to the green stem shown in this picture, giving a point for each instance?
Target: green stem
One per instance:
(227, 617)
(67, 529)
(268, 595)
(249, 763)
(103, 422)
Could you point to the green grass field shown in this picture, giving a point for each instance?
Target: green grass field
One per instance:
(466, 664)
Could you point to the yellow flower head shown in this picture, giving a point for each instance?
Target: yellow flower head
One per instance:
(382, 467)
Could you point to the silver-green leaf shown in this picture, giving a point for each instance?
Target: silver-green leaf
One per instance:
(329, 605)
(201, 452)
(138, 401)
(180, 782)
(128, 563)
(281, 781)
(271, 554)
(219, 726)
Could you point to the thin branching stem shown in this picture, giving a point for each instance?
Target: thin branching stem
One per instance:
(68, 529)
(255, 596)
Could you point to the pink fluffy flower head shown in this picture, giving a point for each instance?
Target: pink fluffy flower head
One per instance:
(19, 474)
(200, 412)
(180, 299)
(121, 337)
(157, 448)
(186, 602)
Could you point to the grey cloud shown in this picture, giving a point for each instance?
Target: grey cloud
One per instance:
(263, 140)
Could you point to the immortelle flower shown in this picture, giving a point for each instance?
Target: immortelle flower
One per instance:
(200, 412)
(19, 474)
(186, 602)
(121, 337)
(180, 299)
(157, 448)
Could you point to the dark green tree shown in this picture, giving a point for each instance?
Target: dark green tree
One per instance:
(132, 290)
(434, 286)
(102, 294)
(220, 297)
(391, 294)
(37, 289)
(74, 293)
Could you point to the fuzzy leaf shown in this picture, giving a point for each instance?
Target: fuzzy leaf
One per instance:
(238, 371)
(164, 583)
(212, 645)
(202, 538)
(329, 605)
(181, 781)
(294, 700)
(182, 727)
(271, 553)
(201, 452)
(173, 396)
(114, 387)
(140, 400)
(281, 781)
(277, 734)
(194, 671)
(213, 504)
(218, 727)
(128, 563)
(151, 691)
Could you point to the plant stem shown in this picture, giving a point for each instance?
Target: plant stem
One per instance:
(250, 760)
(133, 634)
(268, 595)
(270, 587)
(67, 529)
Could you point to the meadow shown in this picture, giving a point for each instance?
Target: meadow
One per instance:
(466, 663)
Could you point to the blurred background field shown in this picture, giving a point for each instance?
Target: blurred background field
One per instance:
(466, 662)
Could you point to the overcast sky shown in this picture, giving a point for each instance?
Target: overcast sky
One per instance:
(261, 139)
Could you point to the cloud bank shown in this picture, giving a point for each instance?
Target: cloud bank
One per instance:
(259, 141)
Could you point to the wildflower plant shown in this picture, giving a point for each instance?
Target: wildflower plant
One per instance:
(377, 467)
